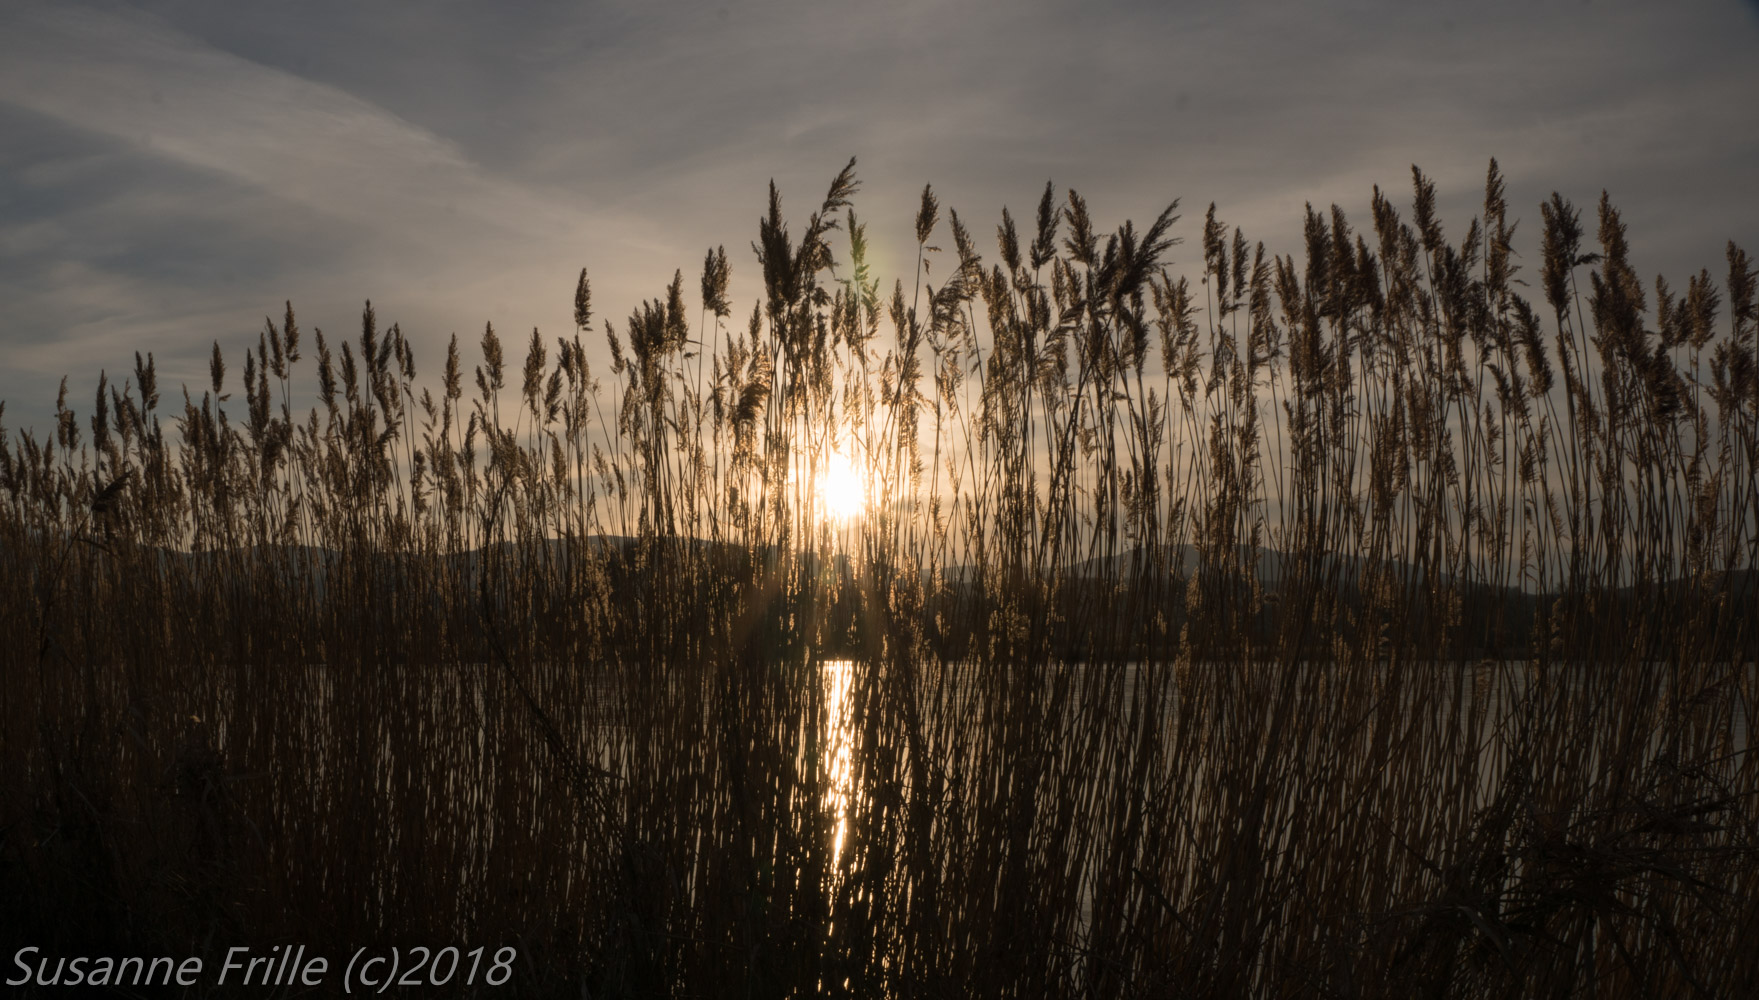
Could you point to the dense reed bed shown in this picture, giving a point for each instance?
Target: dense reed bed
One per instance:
(1341, 626)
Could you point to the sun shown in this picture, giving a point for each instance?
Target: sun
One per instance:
(842, 495)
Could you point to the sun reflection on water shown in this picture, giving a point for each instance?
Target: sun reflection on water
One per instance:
(838, 741)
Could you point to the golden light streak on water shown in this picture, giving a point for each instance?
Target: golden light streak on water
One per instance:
(838, 743)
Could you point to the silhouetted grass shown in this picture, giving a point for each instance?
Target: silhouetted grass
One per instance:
(1344, 627)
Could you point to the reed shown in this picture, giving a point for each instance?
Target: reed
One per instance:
(1342, 625)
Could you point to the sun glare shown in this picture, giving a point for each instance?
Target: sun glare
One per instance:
(841, 493)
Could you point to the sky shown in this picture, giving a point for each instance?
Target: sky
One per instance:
(172, 171)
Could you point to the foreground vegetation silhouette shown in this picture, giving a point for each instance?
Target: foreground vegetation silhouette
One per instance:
(1345, 627)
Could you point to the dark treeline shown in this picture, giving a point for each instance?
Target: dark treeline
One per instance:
(1345, 626)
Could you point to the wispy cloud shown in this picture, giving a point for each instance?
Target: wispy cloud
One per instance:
(212, 160)
(130, 77)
